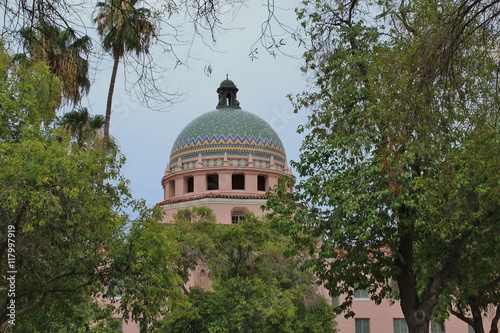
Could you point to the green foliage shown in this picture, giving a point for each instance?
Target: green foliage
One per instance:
(396, 181)
(27, 106)
(145, 270)
(64, 52)
(256, 287)
(195, 232)
(72, 237)
(124, 28)
(81, 125)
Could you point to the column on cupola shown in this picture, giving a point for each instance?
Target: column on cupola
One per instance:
(224, 176)
(251, 176)
(180, 187)
(273, 180)
(251, 181)
(199, 178)
(166, 190)
(180, 184)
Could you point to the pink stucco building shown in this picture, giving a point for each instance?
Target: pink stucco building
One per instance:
(388, 318)
(226, 159)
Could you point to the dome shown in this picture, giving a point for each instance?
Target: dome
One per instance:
(227, 130)
(227, 84)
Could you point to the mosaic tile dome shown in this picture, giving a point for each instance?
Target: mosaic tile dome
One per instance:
(227, 130)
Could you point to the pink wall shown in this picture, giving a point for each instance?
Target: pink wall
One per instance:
(222, 208)
(382, 316)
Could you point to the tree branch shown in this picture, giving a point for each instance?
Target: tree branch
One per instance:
(19, 313)
(460, 315)
(494, 321)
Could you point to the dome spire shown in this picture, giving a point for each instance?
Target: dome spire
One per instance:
(227, 95)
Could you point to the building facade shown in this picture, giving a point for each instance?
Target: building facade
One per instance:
(227, 159)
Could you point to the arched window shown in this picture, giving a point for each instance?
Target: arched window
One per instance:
(237, 216)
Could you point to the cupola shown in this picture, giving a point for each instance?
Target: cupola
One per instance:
(225, 159)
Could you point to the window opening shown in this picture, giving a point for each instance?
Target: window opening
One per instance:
(238, 182)
(213, 182)
(190, 184)
(436, 328)
(237, 216)
(261, 183)
(400, 325)
(335, 301)
(361, 293)
(362, 325)
(171, 189)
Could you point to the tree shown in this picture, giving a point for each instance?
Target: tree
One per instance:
(65, 235)
(475, 292)
(123, 29)
(81, 125)
(256, 286)
(144, 272)
(31, 104)
(65, 54)
(396, 185)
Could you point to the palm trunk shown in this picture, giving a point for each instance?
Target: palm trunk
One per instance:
(109, 104)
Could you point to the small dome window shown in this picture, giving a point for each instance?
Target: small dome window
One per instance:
(212, 182)
(238, 182)
(261, 183)
(171, 189)
(190, 184)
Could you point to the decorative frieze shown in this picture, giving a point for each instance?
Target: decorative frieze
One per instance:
(219, 162)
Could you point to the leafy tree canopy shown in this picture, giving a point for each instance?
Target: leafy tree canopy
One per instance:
(64, 52)
(71, 239)
(256, 286)
(397, 168)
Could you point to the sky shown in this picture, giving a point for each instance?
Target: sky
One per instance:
(145, 137)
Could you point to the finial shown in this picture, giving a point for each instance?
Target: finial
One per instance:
(200, 161)
(250, 160)
(179, 165)
(227, 76)
(272, 164)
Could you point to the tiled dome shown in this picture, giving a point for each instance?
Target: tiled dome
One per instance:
(227, 130)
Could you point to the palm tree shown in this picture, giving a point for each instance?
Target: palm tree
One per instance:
(81, 125)
(123, 29)
(62, 50)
